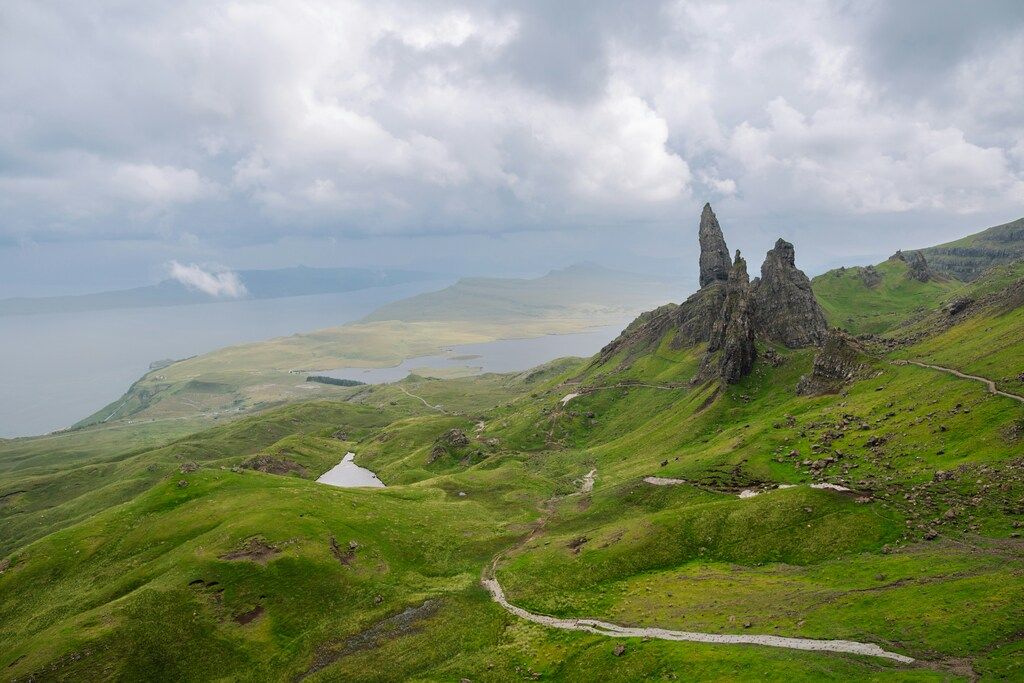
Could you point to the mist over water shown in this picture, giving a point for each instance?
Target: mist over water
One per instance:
(58, 368)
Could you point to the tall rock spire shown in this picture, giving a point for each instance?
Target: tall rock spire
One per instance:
(731, 349)
(714, 254)
(785, 309)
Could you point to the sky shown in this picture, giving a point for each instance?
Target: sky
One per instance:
(485, 137)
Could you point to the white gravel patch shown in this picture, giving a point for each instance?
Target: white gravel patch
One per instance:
(664, 481)
(569, 397)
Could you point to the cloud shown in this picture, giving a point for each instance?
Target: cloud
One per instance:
(254, 123)
(153, 184)
(221, 284)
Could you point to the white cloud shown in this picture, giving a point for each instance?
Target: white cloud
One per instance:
(260, 121)
(219, 283)
(154, 184)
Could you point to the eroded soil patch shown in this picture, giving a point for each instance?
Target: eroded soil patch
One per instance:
(255, 549)
(402, 624)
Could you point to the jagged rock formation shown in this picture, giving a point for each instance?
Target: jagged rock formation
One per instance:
(785, 310)
(714, 254)
(917, 265)
(869, 276)
(838, 362)
(728, 312)
(731, 348)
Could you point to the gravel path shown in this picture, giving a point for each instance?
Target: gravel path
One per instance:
(992, 389)
(603, 628)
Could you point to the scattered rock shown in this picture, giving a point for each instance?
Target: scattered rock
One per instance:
(188, 467)
(619, 650)
(272, 465)
(182, 483)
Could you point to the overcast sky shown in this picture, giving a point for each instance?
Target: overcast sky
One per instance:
(495, 137)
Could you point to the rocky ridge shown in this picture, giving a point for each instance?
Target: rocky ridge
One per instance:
(728, 312)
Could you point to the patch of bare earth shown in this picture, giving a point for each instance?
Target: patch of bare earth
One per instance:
(347, 555)
(399, 625)
(255, 549)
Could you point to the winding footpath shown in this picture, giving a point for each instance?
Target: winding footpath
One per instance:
(992, 388)
(421, 399)
(603, 628)
(621, 385)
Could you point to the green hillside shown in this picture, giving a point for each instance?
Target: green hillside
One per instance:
(875, 299)
(194, 561)
(967, 258)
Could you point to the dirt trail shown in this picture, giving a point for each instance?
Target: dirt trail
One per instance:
(603, 628)
(992, 388)
(620, 385)
(420, 398)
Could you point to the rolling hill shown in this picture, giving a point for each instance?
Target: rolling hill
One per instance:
(731, 490)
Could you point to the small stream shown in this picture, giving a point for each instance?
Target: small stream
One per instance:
(347, 474)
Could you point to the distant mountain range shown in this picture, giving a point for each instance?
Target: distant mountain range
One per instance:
(261, 284)
(563, 292)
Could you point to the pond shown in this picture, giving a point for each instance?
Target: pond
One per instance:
(347, 474)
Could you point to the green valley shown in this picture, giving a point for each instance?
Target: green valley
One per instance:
(731, 467)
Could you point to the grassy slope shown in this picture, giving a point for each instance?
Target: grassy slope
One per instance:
(989, 342)
(850, 303)
(109, 591)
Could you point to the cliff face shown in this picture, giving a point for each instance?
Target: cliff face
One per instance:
(785, 310)
(967, 258)
(731, 347)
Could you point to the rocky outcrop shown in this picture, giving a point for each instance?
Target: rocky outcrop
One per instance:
(839, 361)
(784, 307)
(869, 276)
(731, 348)
(714, 254)
(917, 265)
(448, 443)
(728, 312)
